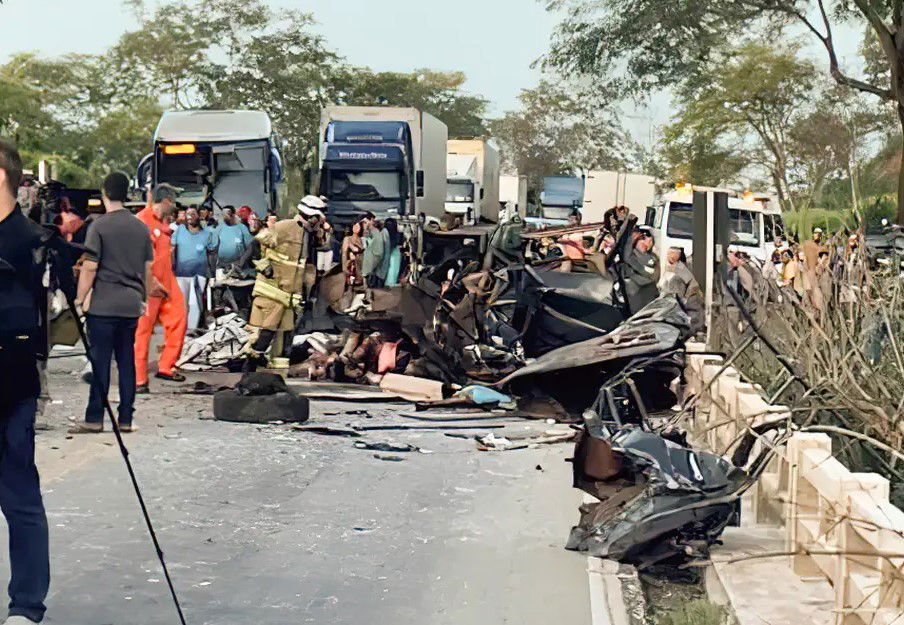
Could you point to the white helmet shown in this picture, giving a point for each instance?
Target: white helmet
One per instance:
(311, 206)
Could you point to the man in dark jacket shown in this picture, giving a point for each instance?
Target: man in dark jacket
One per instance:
(20, 491)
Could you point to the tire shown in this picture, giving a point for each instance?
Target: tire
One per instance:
(227, 406)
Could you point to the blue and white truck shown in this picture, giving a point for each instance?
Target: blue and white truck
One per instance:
(559, 197)
(218, 158)
(389, 161)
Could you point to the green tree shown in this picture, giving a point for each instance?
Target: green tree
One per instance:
(438, 93)
(755, 92)
(640, 45)
(288, 71)
(179, 47)
(700, 155)
(557, 131)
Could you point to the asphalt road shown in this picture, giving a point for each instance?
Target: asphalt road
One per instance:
(263, 524)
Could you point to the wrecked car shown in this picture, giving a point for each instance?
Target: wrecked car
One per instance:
(659, 501)
(574, 374)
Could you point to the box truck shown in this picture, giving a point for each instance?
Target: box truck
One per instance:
(605, 189)
(389, 161)
(513, 195)
(217, 158)
(472, 180)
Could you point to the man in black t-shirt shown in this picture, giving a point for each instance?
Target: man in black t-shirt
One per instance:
(112, 289)
(20, 491)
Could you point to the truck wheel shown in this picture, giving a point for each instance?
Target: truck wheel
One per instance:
(227, 406)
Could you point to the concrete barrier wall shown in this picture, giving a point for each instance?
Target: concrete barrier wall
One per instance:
(838, 524)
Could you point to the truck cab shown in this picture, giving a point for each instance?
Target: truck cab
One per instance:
(472, 180)
(672, 221)
(217, 158)
(561, 195)
(368, 167)
(388, 161)
(463, 190)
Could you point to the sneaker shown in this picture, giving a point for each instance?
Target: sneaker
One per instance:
(19, 620)
(86, 428)
(128, 427)
(175, 376)
(142, 389)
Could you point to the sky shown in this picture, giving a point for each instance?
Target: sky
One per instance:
(493, 41)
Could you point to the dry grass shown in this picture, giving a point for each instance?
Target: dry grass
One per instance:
(847, 355)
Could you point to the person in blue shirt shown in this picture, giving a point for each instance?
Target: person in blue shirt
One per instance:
(193, 248)
(233, 238)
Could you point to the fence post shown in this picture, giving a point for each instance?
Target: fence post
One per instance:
(803, 499)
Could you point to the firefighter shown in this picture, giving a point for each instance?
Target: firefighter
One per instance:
(285, 248)
(165, 302)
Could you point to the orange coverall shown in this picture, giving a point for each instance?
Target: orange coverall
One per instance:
(169, 311)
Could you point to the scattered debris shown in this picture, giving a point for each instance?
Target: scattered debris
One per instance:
(388, 458)
(326, 430)
(659, 501)
(411, 387)
(501, 443)
(390, 447)
(376, 428)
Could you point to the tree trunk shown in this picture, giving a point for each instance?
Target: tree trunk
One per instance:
(900, 213)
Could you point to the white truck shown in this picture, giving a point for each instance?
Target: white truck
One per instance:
(472, 180)
(754, 219)
(605, 189)
(513, 195)
(389, 161)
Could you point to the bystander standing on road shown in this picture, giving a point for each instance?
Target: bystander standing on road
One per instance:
(680, 281)
(233, 238)
(165, 303)
(324, 248)
(207, 217)
(375, 249)
(393, 256)
(112, 291)
(352, 248)
(195, 248)
(20, 490)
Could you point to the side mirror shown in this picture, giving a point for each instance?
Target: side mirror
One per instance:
(419, 183)
(481, 194)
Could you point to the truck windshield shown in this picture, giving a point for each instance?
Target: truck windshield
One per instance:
(743, 228)
(365, 186)
(459, 191)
